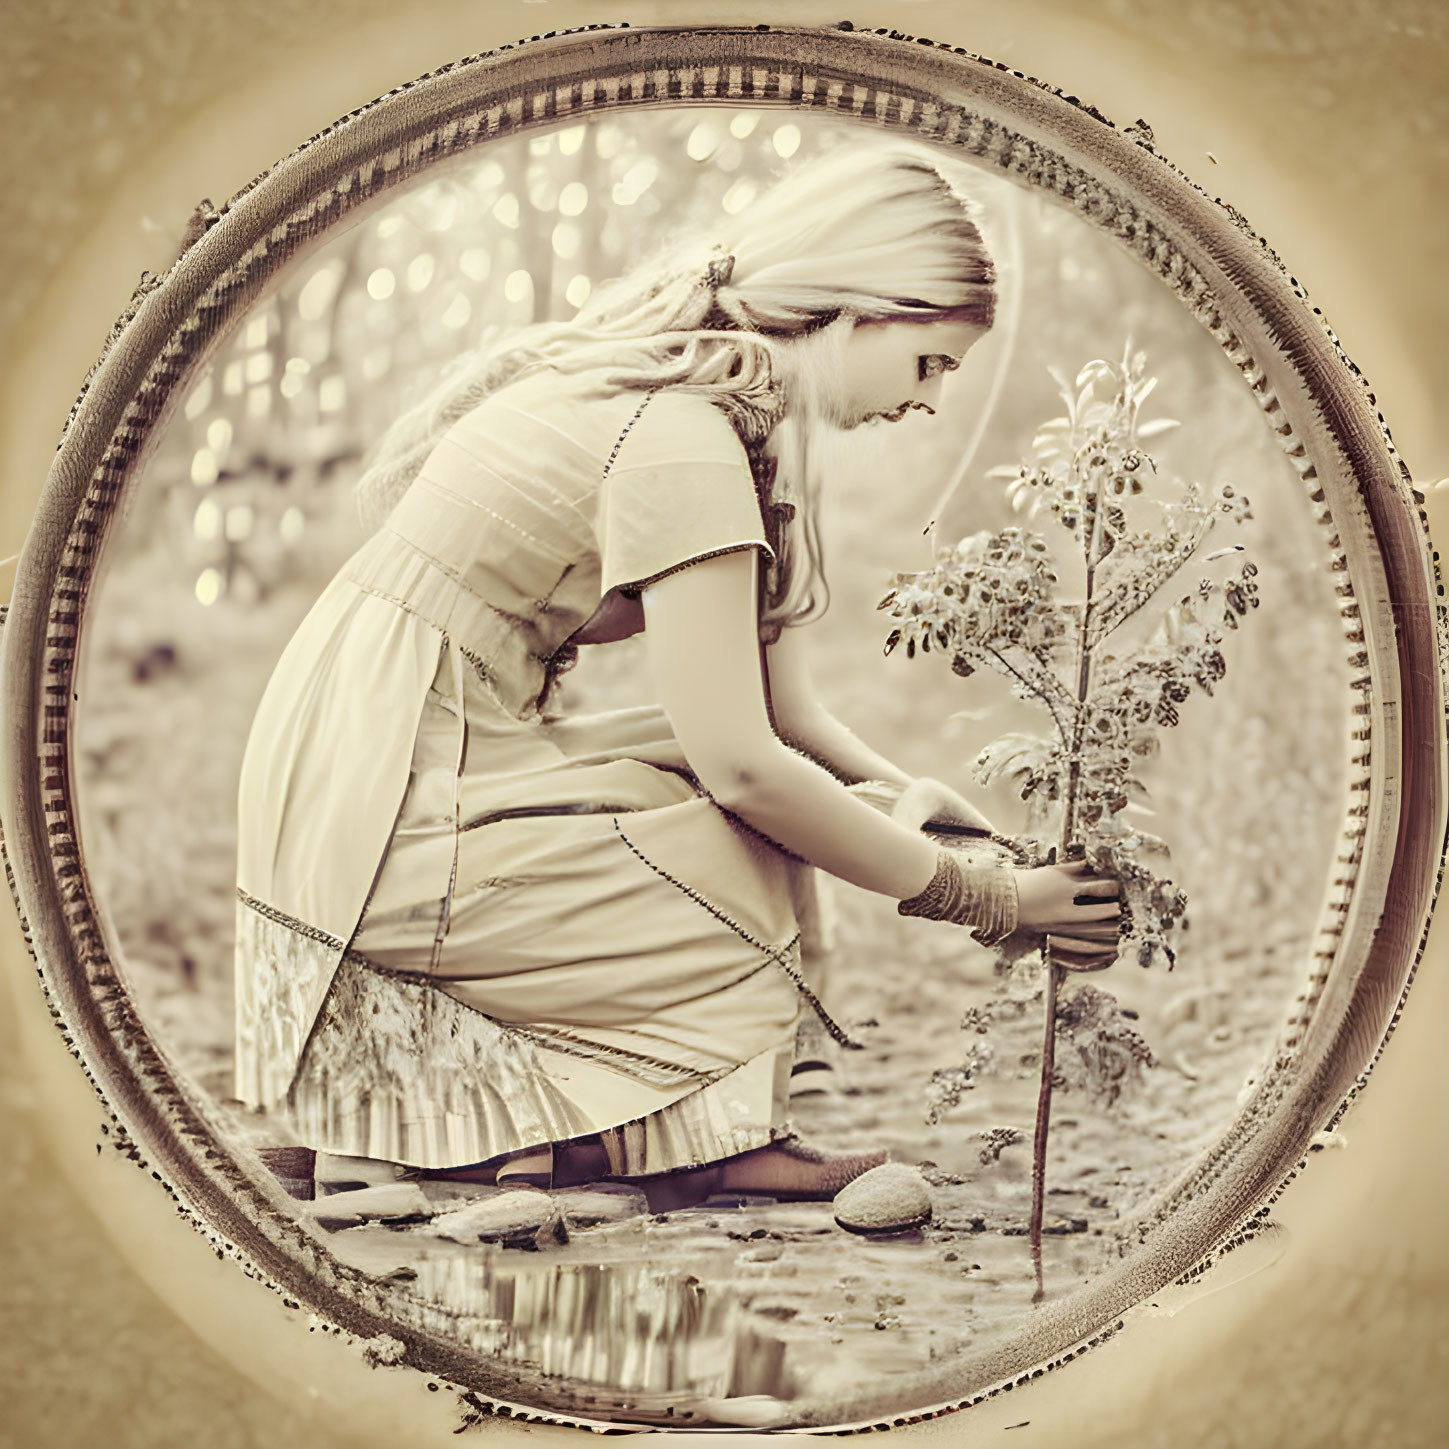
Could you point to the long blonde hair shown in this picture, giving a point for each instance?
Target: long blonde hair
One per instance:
(753, 319)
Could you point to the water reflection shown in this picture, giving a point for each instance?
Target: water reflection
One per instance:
(628, 1327)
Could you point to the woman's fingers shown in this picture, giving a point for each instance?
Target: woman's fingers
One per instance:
(1099, 889)
(1086, 930)
(1075, 953)
(1107, 911)
(928, 802)
(1086, 882)
(1091, 900)
(1064, 896)
(1075, 943)
(1082, 966)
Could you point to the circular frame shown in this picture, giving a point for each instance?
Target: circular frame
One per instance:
(1389, 858)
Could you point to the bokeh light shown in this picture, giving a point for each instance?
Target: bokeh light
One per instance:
(507, 211)
(459, 310)
(566, 240)
(204, 467)
(206, 523)
(786, 140)
(208, 586)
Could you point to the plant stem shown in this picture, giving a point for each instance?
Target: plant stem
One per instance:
(1068, 833)
(1040, 689)
(1043, 1120)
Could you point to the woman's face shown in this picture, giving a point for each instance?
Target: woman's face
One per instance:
(890, 365)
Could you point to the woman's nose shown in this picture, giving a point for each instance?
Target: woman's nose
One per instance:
(929, 391)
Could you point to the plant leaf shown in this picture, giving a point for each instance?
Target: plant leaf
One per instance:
(1011, 757)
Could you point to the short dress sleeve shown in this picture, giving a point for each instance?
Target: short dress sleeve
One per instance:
(680, 489)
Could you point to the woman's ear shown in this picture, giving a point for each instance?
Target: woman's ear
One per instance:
(812, 370)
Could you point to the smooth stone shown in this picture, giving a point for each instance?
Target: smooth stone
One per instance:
(763, 1253)
(391, 1200)
(592, 1207)
(514, 1213)
(891, 1198)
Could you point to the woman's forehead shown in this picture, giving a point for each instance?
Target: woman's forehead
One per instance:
(949, 337)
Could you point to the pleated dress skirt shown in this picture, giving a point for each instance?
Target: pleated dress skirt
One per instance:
(585, 943)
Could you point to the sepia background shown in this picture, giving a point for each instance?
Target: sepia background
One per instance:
(1325, 126)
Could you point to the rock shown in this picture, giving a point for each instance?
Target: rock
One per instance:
(1054, 1227)
(1062, 1226)
(592, 1207)
(763, 1253)
(514, 1215)
(891, 1198)
(347, 1209)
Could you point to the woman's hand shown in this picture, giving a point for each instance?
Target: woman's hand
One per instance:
(1079, 913)
(930, 800)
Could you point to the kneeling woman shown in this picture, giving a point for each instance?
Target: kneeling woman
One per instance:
(474, 930)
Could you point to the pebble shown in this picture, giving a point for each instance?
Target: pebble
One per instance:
(763, 1253)
(592, 1207)
(891, 1198)
(347, 1209)
(1056, 1227)
(514, 1214)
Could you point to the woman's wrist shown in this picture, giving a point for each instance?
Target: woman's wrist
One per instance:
(981, 896)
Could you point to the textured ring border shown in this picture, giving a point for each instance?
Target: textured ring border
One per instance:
(1376, 914)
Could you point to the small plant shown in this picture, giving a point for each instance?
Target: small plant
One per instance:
(1110, 669)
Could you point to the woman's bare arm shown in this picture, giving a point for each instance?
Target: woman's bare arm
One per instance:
(703, 647)
(802, 721)
(702, 639)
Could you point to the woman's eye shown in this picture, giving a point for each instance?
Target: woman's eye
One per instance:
(935, 363)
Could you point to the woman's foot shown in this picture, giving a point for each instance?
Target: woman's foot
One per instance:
(789, 1171)
(481, 1173)
(552, 1164)
(533, 1167)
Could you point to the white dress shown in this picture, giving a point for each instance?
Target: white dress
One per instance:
(467, 924)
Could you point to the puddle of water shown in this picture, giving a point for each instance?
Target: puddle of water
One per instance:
(629, 1327)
